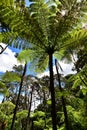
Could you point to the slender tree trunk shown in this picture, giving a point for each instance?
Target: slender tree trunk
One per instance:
(52, 90)
(29, 110)
(62, 98)
(15, 110)
(26, 99)
(32, 127)
(44, 102)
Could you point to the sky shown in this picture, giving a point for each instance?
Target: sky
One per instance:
(67, 69)
(8, 60)
(27, 2)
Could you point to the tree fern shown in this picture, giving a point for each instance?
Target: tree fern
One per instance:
(49, 21)
(45, 29)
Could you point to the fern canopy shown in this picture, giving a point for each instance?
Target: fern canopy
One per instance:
(44, 27)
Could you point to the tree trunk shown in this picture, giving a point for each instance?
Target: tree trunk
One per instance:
(15, 110)
(52, 90)
(63, 100)
(32, 127)
(44, 102)
(29, 109)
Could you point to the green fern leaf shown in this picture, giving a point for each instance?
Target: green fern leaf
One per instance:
(11, 77)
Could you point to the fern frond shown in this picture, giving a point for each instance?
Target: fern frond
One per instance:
(10, 77)
(80, 79)
(37, 58)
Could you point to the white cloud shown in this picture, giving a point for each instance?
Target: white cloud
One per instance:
(46, 73)
(67, 69)
(7, 59)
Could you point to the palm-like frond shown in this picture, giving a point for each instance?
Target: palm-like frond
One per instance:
(45, 18)
(80, 79)
(45, 25)
(71, 43)
(38, 59)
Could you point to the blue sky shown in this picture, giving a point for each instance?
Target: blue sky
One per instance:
(27, 2)
(8, 60)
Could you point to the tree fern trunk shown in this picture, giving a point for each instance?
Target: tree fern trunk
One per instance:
(15, 110)
(63, 100)
(53, 104)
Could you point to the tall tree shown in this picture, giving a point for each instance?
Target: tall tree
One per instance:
(46, 28)
(62, 97)
(15, 110)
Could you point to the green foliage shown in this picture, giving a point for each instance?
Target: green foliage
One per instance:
(79, 79)
(38, 119)
(25, 56)
(78, 36)
(38, 114)
(44, 24)
(63, 93)
(76, 118)
(7, 107)
(22, 115)
(38, 59)
(6, 114)
(61, 128)
(7, 3)
(3, 89)
(49, 102)
(39, 124)
(11, 77)
(44, 28)
(2, 116)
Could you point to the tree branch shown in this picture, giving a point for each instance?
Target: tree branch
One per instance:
(3, 49)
